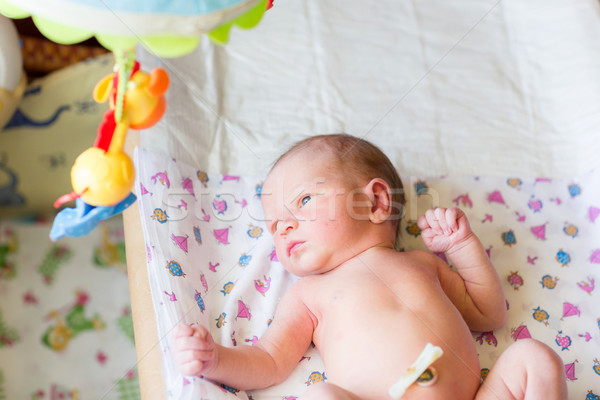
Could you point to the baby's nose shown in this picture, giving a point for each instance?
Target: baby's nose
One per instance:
(288, 225)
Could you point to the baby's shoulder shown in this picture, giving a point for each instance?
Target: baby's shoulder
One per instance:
(304, 287)
(409, 256)
(417, 254)
(417, 259)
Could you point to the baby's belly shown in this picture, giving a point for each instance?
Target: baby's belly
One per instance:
(370, 367)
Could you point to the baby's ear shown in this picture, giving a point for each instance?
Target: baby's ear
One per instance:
(380, 196)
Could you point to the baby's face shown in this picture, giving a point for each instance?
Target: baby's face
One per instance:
(312, 214)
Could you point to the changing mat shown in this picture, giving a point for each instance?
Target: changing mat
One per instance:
(210, 261)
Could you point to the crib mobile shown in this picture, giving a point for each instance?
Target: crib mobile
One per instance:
(103, 175)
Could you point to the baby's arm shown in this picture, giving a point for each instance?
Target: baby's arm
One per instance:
(266, 363)
(477, 292)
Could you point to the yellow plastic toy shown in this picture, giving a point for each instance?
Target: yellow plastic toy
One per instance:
(102, 178)
(103, 175)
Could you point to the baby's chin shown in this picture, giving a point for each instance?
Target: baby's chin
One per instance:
(306, 268)
(298, 271)
(297, 267)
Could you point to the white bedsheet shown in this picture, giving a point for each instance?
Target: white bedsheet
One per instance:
(473, 87)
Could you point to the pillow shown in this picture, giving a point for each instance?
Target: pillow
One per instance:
(211, 261)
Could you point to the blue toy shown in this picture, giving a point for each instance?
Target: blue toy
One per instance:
(82, 219)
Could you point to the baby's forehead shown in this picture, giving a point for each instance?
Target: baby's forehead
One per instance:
(278, 188)
(275, 184)
(272, 199)
(309, 159)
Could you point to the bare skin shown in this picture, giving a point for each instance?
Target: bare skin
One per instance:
(369, 309)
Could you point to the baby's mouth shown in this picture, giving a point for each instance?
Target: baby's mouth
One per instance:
(292, 247)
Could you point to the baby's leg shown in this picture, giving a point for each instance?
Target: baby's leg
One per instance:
(528, 369)
(327, 391)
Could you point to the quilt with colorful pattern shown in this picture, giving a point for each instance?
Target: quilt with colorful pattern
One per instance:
(66, 330)
(210, 261)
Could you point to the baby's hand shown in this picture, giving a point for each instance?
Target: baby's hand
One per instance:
(444, 228)
(194, 349)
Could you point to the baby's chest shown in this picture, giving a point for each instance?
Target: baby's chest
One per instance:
(375, 301)
(375, 288)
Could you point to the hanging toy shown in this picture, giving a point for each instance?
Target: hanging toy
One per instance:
(103, 175)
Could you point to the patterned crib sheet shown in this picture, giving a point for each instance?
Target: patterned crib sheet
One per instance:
(211, 261)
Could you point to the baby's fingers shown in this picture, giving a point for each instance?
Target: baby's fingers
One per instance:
(181, 330)
(201, 332)
(428, 221)
(192, 343)
(422, 223)
(197, 331)
(193, 367)
(441, 218)
(184, 357)
(451, 218)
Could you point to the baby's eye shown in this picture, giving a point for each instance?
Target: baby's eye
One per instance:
(305, 200)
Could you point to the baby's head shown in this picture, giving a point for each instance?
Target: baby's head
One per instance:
(336, 187)
(355, 159)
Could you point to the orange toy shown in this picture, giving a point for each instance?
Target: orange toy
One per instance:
(103, 175)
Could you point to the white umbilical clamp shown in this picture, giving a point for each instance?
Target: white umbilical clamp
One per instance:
(420, 367)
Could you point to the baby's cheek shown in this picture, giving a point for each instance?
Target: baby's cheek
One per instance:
(279, 251)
